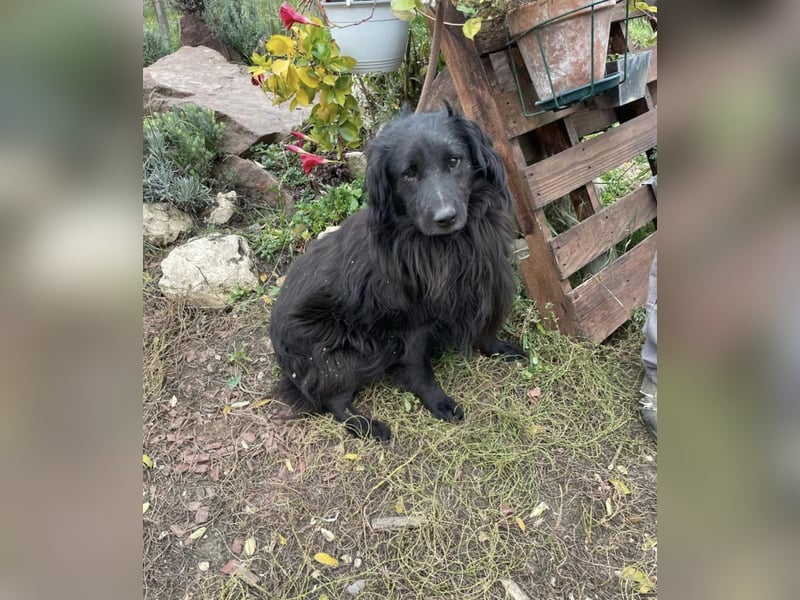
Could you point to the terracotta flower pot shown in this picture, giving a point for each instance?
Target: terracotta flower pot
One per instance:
(566, 43)
(368, 31)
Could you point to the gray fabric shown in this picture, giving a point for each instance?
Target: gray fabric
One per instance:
(649, 356)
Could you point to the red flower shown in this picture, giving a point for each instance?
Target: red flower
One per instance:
(257, 80)
(308, 160)
(290, 16)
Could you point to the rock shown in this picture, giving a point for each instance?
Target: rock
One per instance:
(250, 175)
(356, 163)
(205, 270)
(163, 223)
(195, 32)
(226, 207)
(202, 76)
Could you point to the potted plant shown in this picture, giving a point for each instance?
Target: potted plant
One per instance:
(307, 68)
(369, 31)
(563, 45)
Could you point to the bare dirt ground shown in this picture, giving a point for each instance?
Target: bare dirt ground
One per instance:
(550, 483)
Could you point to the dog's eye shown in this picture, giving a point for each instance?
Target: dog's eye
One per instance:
(410, 173)
(454, 162)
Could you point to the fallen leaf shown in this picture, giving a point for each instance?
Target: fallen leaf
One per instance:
(640, 578)
(326, 559)
(145, 506)
(201, 516)
(231, 567)
(177, 530)
(506, 510)
(620, 486)
(513, 591)
(328, 535)
(197, 533)
(173, 402)
(203, 565)
(250, 546)
(148, 462)
(213, 472)
(356, 587)
(240, 404)
(281, 539)
(194, 506)
(261, 403)
(351, 456)
(236, 545)
(483, 536)
(280, 280)
(289, 466)
(622, 470)
(226, 410)
(249, 437)
(324, 597)
(520, 523)
(534, 395)
(263, 277)
(539, 510)
(399, 506)
(609, 509)
(649, 544)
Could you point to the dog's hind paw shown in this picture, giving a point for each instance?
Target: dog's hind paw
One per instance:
(361, 426)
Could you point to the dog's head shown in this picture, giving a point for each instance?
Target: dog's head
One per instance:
(425, 167)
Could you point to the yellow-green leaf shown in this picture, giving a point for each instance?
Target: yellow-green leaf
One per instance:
(145, 506)
(281, 539)
(326, 559)
(280, 45)
(539, 510)
(403, 4)
(399, 506)
(303, 97)
(351, 456)
(471, 27)
(308, 77)
(197, 533)
(280, 67)
(148, 462)
(289, 466)
(640, 578)
(250, 546)
(520, 523)
(404, 15)
(620, 486)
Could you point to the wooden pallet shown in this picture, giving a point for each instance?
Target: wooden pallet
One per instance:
(547, 159)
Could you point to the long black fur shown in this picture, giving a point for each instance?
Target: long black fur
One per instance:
(424, 268)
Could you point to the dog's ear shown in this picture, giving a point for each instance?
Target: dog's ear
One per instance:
(379, 188)
(485, 158)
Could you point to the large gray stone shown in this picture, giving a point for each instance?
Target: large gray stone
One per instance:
(202, 76)
(250, 175)
(163, 223)
(206, 270)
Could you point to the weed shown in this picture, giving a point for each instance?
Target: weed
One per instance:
(153, 46)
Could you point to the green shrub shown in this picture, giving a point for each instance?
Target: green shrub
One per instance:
(240, 24)
(191, 6)
(312, 217)
(180, 146)
(153, 46)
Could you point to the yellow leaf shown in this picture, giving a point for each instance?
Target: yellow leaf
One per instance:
(520, 523)
(634, 575)
(351, 456)
(399, 507)
(145, 506)
(250, 546)
(324, 597)
(289, 466)
(308, 77)
(280, 67)
(226, 410)
(197, 533)
(326, 559)
(281, 539)
(471, 27)
(261, 403)
(148, 462)
(263, 277)
(620, 486)
(280, 45)
(303, 97)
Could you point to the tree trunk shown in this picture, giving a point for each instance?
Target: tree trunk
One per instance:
(163, 22)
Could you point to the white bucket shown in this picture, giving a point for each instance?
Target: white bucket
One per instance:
(377, 42)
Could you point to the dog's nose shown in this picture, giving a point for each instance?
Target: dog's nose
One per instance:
(445, 217)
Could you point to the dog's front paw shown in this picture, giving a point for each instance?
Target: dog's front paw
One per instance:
(447, 409)
(508, 350)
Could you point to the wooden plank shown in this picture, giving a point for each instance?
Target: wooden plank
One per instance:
(478, 102)
(590, 238)
(558, 175)
(607, 300)
(516, 123)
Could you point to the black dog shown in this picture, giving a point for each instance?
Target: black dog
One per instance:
(425, 267)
